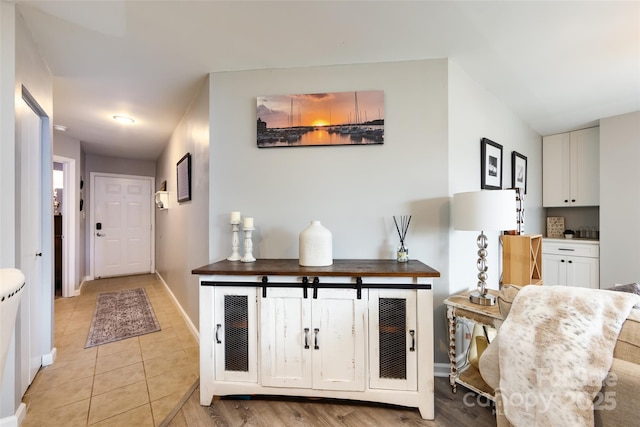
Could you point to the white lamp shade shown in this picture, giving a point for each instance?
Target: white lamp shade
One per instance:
(485, 210)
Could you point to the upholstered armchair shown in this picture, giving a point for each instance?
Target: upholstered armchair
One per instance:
(618, 402)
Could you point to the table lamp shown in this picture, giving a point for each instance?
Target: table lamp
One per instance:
(484, 210)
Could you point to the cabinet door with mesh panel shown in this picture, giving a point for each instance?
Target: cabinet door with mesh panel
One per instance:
(393, 339)
(235, 334)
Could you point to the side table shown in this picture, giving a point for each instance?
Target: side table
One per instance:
(460, 307)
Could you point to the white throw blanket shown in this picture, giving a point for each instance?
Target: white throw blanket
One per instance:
(556, 348)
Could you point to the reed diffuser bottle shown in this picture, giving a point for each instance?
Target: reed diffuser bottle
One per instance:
(402, 254)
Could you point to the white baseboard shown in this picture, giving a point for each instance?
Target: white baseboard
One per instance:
(186, 318)
(85, 279)
(441, 369)
(16, 419)
(49, 358)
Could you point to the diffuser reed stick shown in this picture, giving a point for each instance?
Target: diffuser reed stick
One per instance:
(402, 228)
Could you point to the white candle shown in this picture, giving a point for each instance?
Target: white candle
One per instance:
(248, 223)
(235, 217)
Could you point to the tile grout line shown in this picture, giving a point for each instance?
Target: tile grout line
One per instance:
(78, 307)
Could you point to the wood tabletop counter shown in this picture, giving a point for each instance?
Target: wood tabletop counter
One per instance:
(340, 267)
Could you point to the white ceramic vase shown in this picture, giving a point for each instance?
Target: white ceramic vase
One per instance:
(315, 246)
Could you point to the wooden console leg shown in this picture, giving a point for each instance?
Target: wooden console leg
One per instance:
(451, 317)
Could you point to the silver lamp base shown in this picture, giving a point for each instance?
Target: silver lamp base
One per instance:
(480, 299)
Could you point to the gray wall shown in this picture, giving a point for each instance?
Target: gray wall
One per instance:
(353, 190)
(182, 229)
(21, 65)
(435, 117)
(474, 114)
(619, 199)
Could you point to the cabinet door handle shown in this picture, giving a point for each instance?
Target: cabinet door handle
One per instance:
(306, 338)
(573, 200)
(570, 262)
(413, 340)
(218, 326)
(561, 260)
(315, 342)
(566, 249)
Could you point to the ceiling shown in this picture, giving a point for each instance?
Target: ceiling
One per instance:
(558, 65)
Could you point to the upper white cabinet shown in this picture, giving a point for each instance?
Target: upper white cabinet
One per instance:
(571, 169)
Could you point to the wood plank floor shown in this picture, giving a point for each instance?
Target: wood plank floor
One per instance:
(452, 410)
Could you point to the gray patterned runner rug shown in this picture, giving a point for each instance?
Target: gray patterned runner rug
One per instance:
(121, 315)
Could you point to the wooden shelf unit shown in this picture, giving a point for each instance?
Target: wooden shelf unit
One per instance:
(522, 259)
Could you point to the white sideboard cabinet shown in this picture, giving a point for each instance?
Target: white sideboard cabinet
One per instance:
(570, 168)
(347, 331)
(571, 263)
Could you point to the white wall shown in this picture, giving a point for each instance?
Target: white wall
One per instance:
(8, 399)
(66, 146)
(20, 53)
(182, 230)
(353, 190)
(619, 199)
(474, 114)
(7, 135)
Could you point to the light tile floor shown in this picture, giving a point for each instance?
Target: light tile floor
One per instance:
(134, 382)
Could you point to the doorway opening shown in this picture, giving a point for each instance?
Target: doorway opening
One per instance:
(65, 226)
(58, 197)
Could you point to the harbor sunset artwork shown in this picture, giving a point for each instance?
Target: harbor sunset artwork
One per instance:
(337, 118)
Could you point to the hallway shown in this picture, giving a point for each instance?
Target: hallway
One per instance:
(137, 381)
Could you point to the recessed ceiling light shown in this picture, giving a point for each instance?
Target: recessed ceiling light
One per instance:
(123, 119)
(60, 128)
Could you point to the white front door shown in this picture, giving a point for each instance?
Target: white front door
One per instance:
(31, 245)
(121, 225)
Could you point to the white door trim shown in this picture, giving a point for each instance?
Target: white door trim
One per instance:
(92, 235)
(69, 226)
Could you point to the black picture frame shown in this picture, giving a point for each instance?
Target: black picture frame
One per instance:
(519, 171)
(491, 165)
(184, 178)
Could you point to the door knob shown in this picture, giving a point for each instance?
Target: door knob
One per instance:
(99, 234)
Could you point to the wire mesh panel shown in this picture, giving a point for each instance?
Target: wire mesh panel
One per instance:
(393, 348)
(236, 333)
